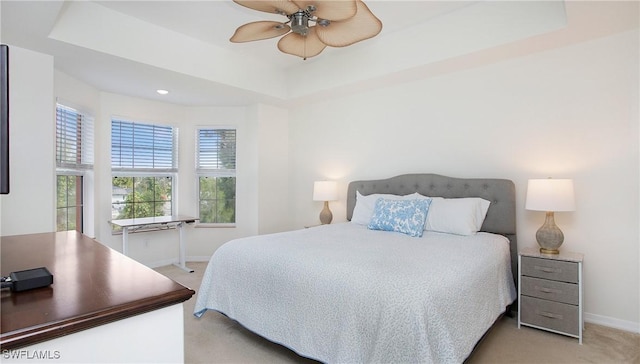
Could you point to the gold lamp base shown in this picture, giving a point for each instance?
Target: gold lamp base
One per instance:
(549, 251)
(549, 236)
(325, 215)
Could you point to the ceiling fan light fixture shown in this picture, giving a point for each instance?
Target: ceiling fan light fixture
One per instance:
(338, 23)
(300, 23)
(333, 9)
(302, 46)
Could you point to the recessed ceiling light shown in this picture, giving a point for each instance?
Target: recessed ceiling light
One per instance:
(162, 92)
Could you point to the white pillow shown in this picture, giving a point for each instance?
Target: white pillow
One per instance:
(363, 211)
(460, 216)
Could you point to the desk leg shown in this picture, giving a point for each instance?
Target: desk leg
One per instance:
(125, 240)
(182, 264)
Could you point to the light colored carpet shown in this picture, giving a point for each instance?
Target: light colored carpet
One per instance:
(216, 339)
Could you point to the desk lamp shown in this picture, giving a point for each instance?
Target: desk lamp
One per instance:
(325, 191)
(550, 195)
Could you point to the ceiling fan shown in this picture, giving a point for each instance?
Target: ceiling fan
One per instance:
(315, 24)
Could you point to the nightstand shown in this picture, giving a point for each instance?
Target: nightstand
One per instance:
(550, 292)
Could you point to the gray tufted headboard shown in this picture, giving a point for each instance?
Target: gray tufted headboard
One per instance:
(501, 217)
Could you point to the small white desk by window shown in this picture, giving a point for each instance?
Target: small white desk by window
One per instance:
(158, 222)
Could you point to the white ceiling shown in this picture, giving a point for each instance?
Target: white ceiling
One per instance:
(415, 34)
(215, 21)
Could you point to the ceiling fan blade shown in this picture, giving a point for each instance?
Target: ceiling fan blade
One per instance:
(283, 7)
(363, 25)
(302, 46)
(259, 30)
(330, 9)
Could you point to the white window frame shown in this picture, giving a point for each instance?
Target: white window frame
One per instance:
(84, 169)
(151, 172)
(205, 172)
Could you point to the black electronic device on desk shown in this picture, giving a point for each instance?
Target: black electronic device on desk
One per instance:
(28, 279)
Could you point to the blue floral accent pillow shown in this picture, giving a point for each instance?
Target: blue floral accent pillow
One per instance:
(403, 216)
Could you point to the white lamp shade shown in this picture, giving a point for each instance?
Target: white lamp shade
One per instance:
(550, 195)
(325, 191)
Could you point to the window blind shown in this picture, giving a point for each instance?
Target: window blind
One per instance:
(143, 147)
(74, 138)
(216, 150)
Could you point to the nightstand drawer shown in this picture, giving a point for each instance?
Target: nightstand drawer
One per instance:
(552, 315)
(550, 290)
(550, 269)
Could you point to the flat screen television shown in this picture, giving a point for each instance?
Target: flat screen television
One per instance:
(4, 119)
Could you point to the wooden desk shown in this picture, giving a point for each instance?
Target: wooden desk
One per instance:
(143, 223)
(93, 285)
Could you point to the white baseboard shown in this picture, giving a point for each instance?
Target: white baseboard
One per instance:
(202, 258)
(162, 263)
(612, 322)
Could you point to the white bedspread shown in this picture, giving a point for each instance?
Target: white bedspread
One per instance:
(344, 294)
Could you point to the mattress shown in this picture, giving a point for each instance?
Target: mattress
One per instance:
(342, 293)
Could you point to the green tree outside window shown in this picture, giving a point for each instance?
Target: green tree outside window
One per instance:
(142, 197)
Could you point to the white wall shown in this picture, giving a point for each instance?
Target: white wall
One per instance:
(272, 125)
(30, 205)
(565, 113)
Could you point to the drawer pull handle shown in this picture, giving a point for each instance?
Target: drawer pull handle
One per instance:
(550, 315)
(548, 290)
(547, 269)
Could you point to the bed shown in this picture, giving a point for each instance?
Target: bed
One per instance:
(352, 293)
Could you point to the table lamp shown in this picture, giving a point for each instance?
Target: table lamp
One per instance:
(325, 191)
(550, 195)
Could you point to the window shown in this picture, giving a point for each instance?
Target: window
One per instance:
(74, 139)
(143, 164)
(69, 204)
(74, 159)
(216, 170)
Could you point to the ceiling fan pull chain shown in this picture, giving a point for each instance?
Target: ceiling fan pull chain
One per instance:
(305, 49)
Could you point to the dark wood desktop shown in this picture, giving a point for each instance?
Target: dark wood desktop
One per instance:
(92, 285)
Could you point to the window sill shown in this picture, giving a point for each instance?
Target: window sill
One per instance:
(206, 225)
